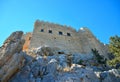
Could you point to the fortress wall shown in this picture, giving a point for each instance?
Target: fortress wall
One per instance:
(89, 42)
(54, 39)
(80, 42)
(86, 40)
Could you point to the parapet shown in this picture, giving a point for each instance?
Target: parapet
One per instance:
(42, 23)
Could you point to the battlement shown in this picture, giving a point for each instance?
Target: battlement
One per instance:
(40, 22)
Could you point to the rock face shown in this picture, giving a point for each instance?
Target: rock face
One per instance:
(62, 67)
(49, 64)
(11, 57)
(27, 38)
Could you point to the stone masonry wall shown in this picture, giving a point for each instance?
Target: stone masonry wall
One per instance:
(65, 38)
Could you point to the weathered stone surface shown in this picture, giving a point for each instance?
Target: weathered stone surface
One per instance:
(27, 38)
(11, 56)
(55, 68)
(109, 76)
(12, 45)
(45, 51)
(51, 65)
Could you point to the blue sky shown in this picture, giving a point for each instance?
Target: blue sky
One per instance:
(102, 17)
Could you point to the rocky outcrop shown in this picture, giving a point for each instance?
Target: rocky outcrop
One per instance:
(112, 75)
(27, 38)
(48, 64)
(11, 57)
(63, 67)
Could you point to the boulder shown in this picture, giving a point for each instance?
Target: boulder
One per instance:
(112, 75)
(45, 51)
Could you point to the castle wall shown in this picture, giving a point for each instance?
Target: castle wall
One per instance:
(80, 42)
(89, 41)
(54, 39)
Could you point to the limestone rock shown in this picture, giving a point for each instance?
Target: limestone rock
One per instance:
(11, 56)
(56, 66)
(27, 38)
(46, 51)
(109, 76)
(12, 45)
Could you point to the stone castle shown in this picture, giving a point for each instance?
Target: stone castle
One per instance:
(63, 37)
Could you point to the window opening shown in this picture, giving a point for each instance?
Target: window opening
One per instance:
(60, 33)
(50, 31)
(42, 30)
(68, 34)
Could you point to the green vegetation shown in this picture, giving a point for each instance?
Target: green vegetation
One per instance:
(114, 48)
(100, 59)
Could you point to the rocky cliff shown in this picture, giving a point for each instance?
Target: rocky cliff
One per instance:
(11, 56)
(48, 64)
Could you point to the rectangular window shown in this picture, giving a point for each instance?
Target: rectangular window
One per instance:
(68, 34)
(60, 33)
(42, 30)
(50, 31)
